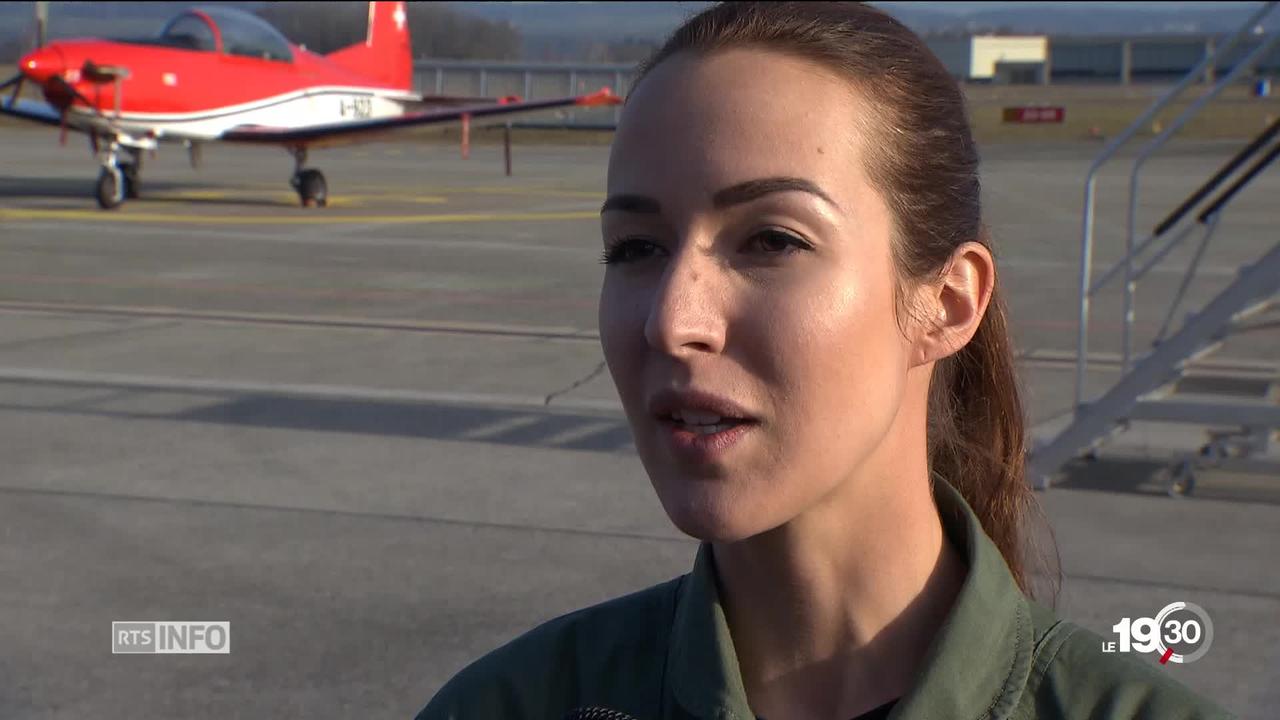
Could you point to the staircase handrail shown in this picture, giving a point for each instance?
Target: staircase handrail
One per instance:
(1090, 185)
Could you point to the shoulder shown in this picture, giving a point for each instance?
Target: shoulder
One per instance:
(604, 654)
(1072, 678)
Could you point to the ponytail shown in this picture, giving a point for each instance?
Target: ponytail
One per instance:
(977, 436)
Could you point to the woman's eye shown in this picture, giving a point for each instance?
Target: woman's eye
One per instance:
(628, 250)
(777, 242)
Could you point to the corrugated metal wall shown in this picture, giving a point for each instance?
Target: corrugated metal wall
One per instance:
(1084, 60)
(1076, 59)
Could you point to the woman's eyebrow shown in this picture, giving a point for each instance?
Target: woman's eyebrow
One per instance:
(743, 192)
(632, 204)
(753, 189)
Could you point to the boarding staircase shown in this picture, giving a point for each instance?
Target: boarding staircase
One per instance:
(1238, 432)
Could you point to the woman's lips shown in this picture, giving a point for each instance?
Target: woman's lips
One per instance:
(693, 444)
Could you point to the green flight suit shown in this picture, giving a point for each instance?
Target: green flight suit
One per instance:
(665, 653)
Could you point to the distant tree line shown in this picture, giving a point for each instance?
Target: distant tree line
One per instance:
(436, 29)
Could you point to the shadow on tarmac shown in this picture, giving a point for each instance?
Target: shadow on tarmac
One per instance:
(1150, 476)
(523, 427)
(526, 426)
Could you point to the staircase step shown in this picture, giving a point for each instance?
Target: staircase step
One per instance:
(1262, 306)
(1241, 413)
(1204, 352)
(1249, 388)
(1197, 338)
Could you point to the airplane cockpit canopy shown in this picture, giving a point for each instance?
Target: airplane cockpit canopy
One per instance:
(189, 31)
(242, 33)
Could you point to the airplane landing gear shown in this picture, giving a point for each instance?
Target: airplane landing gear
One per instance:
(130, 169)
(311, 188)
(110, 188)
(308, 182)
(118, 179)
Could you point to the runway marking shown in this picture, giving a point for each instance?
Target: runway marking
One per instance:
(500, 426)
(526, 298)
(1042, 358)
(96, 495)
(344, 236)
(314, 217)
(602, 408)
(288, 199)
(580, 432)
(538, 332)
(499, 190)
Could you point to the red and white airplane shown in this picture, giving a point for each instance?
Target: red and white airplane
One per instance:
(220, 74)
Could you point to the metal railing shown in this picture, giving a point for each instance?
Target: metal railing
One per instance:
(1132, 249)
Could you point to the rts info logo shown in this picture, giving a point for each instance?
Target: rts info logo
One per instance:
(164, 638)
(1182, 632)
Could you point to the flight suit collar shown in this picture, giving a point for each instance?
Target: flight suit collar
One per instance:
(975, 668)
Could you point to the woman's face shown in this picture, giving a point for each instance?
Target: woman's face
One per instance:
(750, 265)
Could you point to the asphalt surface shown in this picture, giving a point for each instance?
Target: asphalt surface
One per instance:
(378, 438)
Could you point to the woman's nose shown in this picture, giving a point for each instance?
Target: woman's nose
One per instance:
(686, 315)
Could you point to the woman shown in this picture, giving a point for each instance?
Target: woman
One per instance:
(802, 319)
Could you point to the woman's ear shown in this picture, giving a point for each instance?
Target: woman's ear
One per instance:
(955, 303)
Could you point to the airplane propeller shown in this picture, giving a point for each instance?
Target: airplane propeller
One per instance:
(42, 22)
(16, 83)
(66, 92)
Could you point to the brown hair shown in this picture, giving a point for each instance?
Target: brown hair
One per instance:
(927, 166)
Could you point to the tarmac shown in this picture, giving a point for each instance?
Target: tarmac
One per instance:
(378, 438)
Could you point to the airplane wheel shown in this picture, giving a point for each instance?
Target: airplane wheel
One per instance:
(132, 186)
(110, 189)
(312, 188)
(1182, 480)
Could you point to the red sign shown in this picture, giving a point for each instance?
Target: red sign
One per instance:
(1034, 114)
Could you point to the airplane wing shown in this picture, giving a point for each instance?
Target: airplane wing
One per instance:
(361, 130)
(41, 112)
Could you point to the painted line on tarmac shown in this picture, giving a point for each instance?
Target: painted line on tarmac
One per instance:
(1074, 265)
(431, 193)
(1066, 359)
(345, 236)
(286, 199)
(100, 495)
(608, 409)
(499, 190)
(478, 297)
(1039, 357)
(312, 218)
(358, 323)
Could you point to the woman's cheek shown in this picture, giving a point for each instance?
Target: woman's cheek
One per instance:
(837, 363)
(621, 322)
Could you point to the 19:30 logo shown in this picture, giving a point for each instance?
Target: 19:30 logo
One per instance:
(1182, 632)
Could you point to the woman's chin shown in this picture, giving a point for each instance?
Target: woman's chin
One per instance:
(712, 522)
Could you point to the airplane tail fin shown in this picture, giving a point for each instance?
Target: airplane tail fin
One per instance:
(385, 53)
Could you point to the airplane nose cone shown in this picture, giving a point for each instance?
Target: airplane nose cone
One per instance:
(42, 64)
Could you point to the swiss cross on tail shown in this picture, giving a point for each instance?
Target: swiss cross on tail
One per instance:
(218, 74)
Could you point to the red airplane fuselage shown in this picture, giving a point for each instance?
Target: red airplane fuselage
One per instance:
(151, 89)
